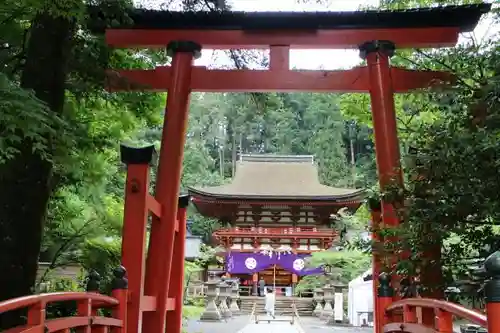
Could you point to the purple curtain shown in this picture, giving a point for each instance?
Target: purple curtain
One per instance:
(249, 263)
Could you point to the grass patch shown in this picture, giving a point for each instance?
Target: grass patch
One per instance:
(191, 311)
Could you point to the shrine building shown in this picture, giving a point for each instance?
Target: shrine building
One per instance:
(274, 213)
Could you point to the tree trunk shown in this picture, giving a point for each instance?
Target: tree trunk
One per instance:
(25, 180)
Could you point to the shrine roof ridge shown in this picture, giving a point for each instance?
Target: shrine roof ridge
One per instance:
(266, 158)
(277, 177)
(463, 17)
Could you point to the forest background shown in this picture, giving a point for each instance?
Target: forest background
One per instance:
(62, 181)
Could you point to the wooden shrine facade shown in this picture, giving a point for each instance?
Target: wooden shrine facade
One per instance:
(301, 240)
(277, 202)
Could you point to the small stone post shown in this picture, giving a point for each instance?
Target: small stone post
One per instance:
(318, 298)
(235, 287)
(93, 282)
(328, 297)
(492, 292)
(211, 312)
(337, 316)
(224, 293)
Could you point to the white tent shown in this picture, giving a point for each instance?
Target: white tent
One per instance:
(360, 300)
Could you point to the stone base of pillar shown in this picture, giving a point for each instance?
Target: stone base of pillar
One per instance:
(317, 310)
(224, 310)
(235, 310)
(211, 313)
(331, 321)
(327, 311)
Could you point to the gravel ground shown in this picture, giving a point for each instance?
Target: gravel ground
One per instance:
(314, 325)
(233, 325)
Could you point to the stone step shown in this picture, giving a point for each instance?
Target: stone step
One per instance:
(282, 305)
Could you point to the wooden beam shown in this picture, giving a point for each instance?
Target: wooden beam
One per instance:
(202, 79)
(305, 39)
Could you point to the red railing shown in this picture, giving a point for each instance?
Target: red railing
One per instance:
(292, 232)
(424, 315)
(406, 316)
(86, 320)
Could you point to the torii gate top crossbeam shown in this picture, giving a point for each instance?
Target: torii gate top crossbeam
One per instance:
(424, 27)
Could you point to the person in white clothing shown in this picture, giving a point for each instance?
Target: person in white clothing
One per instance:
(270, 300)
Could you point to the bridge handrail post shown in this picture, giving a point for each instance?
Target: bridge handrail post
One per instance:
(385, 293)
(492, 292)
(120, 292)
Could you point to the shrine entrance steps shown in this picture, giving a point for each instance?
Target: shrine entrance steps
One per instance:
(283, 305)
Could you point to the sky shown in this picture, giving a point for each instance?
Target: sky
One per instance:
(312, 59)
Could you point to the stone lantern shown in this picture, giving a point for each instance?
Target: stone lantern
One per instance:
(328, 297)
(235, 287)
(224, 293)
(337, 316)
(318, 298)
(211, 312)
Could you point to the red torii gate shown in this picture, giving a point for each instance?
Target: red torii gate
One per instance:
(155, 283)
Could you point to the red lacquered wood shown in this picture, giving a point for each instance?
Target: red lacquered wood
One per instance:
(60, 324)
(120, 311)
(386, 137)
(176, 291)
(148, 303)
(409, 314)
(161, 245)
(319, 39)
(105, 321)
(84, 309)
(375, 222)
(279, 58)
(273, 80)
(137, 205)
(443, 321)
(455, 309)
(408, 327)
(383, 317)
(153, 205)
(85, 321)
(281, 232)
(26, 329)
(24, 302)
(36, 314)
(171, 302)
(493, 313)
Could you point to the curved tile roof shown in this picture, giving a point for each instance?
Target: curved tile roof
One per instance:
(464, 17)
(277, 177)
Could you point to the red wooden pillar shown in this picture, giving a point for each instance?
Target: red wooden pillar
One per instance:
(161, 245)
(375, 217)
(176, 290)
(492, 292)
(377, 54)
(134, 227)
(431, 278)
(385, 293)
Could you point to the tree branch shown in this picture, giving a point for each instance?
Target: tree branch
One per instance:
(53, 263)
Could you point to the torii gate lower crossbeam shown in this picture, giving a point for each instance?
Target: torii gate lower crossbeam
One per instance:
(159, 293)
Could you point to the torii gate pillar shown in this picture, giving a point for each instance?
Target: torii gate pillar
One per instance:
(377, 55)
(167, 235)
